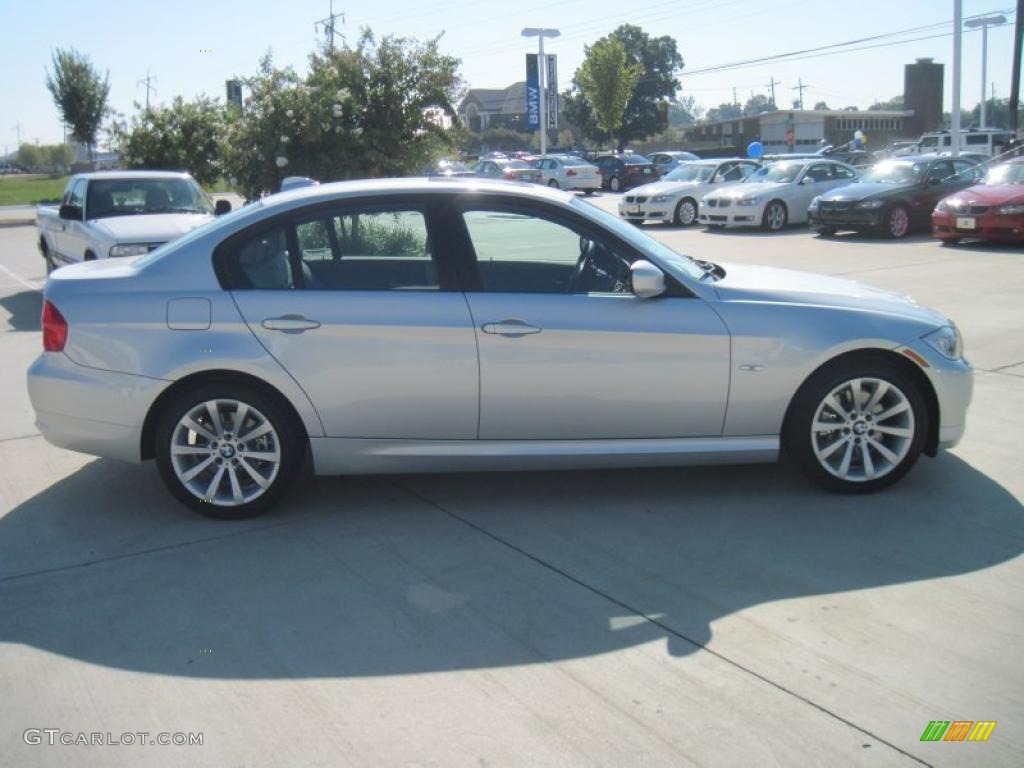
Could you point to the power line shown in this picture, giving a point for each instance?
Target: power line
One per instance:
(328, 25)
(147, 80)
(800, 87)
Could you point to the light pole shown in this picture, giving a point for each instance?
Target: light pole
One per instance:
(540, 33)
(954, 139)
(985, 22)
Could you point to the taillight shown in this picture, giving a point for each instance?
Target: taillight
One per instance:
(55, 328)
(570, 172)
(509, 175)
(632, 170)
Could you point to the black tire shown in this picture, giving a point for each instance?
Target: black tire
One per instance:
(797, 437)
(769, 222)
(89, 256)
(588, 192)
(291, 446)
(614, 184)
(894, 214)
(950, 241)
(47, 258)
(680, 218)
(553, 183)
(826, 231)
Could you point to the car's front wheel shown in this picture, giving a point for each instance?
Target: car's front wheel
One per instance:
(775, 216)
(553, 183)
(614, 184)
(857, 426)
(227, 451)
(686, 213)
(897, 222)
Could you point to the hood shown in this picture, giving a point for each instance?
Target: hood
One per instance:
(995, 194)
(744, 282)
(663, 187)
(753, 189)
(150, 227)
(863, 190)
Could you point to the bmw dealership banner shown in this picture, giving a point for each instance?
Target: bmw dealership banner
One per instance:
(532, 93)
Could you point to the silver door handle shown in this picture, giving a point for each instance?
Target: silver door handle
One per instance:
(512, 328)
(290, 324)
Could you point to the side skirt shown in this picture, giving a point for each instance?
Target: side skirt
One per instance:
(340, 456)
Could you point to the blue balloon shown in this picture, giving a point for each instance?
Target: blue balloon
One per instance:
(755, 149)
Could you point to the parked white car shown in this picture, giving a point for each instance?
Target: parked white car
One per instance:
(675, 197)
(775, 195)
(121, 213)
(569, 172)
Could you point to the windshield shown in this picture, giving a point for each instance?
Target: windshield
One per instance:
(125, 197)
(893, 172)
(690, 172)
(681, 266)
(517, 165)
(573, 162)
(1010, 173)
(777, 173)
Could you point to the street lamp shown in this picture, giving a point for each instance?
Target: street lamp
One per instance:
(540, 33)
(985, 22)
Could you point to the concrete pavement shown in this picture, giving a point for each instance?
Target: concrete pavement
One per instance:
(723, 616)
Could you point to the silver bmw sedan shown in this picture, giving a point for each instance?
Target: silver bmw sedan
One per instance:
(422, 325)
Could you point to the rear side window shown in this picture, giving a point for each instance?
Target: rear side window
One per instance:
(262, 262)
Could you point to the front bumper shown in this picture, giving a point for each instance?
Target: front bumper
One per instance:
(730, 215)
(90, 410)
(646, 210)
(856, 220)
(953, 382)
(988, 226)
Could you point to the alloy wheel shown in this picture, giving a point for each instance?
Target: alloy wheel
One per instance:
(776, 217)
(899, 222)
(687, 213)
(225, 452)
(863, 429)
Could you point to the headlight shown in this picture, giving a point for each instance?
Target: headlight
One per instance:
(946, 341)
(870, 205)
(814, 203)
(748, 201)
(661, 198)
(1010, 210)
(129, 250)
(944, 205)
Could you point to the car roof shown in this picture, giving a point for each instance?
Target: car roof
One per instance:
(432, 185)
(134, 175)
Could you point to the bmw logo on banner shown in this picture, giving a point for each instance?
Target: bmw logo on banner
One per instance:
(532, 93)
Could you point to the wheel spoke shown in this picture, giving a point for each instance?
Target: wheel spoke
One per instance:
(894, 431)
(891, 457)
(263, 455)
(832, 403)
(900, 407)
(187, 477)
(214, 486)
(877, 396)
(827, 426)
(825, 453)
(844, 467)
(856, 394)
(869, 465)
(198, 428)
(214, 411)
(236, 489)
(189, 450)
(259, 431)
(259, 479)
(241, 414)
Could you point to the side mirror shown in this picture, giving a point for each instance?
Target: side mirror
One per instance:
(808, 180)
(70, 212)
(648, 281)
(221, 207)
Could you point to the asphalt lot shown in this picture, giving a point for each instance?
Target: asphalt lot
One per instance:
(723, 616)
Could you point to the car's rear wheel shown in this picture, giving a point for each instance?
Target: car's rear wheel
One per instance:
(553, 183)
(857, 426)
(227, 451)
(686, 213)
(897, 222)
(775, 216)
(47, 257)
(614, 184)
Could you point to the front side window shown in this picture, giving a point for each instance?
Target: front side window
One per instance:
(842, 172)
(77, 194)
(523, 253)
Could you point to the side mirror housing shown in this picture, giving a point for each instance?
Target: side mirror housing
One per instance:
(808, 180)
(221, 207)
(70, 212)
(648, 281)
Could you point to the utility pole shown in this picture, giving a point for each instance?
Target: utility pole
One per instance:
(1018, 34)
(800, 87)
(958, 30)
(148, 81)
(328, 25)
(984, 23)
(734, 101)
(17, 130)
(771, 85)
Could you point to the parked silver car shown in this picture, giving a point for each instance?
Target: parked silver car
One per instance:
(568, 172)
(417, 325)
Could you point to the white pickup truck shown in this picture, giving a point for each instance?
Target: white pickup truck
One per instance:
(107, 214)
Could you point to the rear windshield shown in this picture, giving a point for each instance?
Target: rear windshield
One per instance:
(635, 160)
(517, 165)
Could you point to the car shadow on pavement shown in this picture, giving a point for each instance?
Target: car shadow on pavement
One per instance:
(25, 309)
(414, 574)
(753, 231)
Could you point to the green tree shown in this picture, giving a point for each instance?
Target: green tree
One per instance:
(758, 104)
(187, 135)
(79, 93)
(30, 156)
(684, 112)
(58, 156)
(382, 108)
(895, 103)
(607, 79)
(821, 105)
(646, 112)
(724, 112)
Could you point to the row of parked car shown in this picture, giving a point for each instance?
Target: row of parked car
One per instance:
(956, 197)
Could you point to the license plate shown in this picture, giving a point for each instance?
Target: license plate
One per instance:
(633, 209)
(647, 171)
(965, 222)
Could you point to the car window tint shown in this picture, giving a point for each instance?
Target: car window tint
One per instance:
(820, 172)
(520, 253)
(262, 262)
(731, 172)
(367, 250)
(77, 194)
(942, 171)
(842, 173)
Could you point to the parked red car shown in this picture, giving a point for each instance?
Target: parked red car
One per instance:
(991, 210)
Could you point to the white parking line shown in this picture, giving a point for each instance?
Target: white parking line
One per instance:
(20, 279)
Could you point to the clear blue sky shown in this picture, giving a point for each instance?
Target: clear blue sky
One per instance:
(167, 38)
